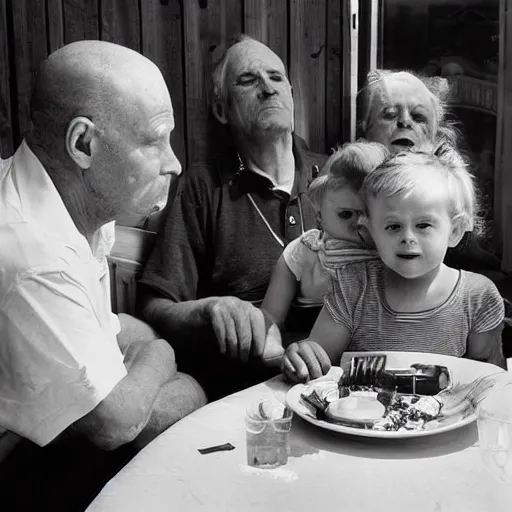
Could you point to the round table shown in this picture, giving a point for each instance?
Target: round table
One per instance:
(325, 471)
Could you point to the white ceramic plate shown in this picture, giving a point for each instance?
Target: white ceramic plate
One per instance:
(461, 370)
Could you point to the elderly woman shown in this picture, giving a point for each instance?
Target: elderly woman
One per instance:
(404, 111)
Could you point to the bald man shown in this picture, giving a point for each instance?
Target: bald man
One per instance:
(98, 150)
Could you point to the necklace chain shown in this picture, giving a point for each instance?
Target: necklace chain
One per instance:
(241, 169)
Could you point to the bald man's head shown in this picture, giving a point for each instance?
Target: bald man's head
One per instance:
(87, 78)
(102, 118)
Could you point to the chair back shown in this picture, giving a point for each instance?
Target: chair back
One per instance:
(126, 261)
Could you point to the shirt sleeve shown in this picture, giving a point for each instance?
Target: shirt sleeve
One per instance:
(293, 255)
(179, 262)
(488, 306)
(57, 363)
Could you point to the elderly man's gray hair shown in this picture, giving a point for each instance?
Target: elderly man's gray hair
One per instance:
(220, 91)
(219, 71)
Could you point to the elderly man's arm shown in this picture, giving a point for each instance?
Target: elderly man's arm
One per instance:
(149, 399)
(123, 414)
(238, 326)
(66, 368)
(174, 288)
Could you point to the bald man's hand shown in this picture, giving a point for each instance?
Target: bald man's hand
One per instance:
(239, 327)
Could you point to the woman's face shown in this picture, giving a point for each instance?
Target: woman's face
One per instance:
(402, 114)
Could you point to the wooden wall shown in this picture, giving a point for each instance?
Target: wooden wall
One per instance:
(184, 38)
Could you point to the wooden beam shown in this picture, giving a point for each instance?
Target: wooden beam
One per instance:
(55, 25)
(267, 21)
(208, 27)
(120, 22)
(307, 69)
(162, 42)
(350, 33)
(6, 135)
(30, 49)
(334, 51)
(503, 160)
(370, 44)
(80, 20)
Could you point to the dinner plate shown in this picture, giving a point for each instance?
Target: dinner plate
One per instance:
(461, 371)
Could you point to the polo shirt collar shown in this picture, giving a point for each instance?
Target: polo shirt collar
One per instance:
(248, 181)
(41, 202)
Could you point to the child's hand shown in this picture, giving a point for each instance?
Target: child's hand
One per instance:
(305, 360)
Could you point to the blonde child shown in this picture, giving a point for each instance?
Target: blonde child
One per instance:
(303, 269)
(418, 205)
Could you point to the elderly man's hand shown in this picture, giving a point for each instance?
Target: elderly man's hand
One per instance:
(305, 360)
(239, 327)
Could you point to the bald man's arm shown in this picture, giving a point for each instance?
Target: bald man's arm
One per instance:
(149, 399)
(123, 414)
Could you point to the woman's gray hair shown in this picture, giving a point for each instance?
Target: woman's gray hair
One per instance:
(438, 87)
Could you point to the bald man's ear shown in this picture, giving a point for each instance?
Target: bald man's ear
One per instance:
(78, 141)
(219, 111)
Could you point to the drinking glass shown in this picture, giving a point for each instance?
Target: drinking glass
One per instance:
(495, 432)
(268, 438)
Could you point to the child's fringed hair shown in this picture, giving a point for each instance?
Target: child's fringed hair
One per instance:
(348, 166)
(397, 177)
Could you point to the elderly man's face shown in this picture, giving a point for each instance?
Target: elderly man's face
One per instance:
(402, 114)
(135, 162)
(259, 94)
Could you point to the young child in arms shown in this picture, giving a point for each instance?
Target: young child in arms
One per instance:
(418, 205)
(303, 269)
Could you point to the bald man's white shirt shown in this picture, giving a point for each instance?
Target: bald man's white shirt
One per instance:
(59, 356)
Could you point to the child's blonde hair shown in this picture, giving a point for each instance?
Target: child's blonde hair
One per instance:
(396, 177)
(347, 167)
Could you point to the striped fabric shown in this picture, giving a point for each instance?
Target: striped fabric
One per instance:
(356, 300)
(311, 259)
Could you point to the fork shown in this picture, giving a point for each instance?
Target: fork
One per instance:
(365, 369)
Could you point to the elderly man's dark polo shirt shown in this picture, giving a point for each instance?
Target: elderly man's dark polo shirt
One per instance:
(214, 242)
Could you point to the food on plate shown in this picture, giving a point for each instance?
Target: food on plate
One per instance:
(369, 373)
(372, 396)
(358, 411)
(321, 394)
(374, 406)
(408, 412)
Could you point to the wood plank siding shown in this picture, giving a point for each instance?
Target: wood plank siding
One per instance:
(184, 38)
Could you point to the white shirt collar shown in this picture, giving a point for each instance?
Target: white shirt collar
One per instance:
(41, 201)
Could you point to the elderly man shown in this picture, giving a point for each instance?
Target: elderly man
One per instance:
(230, 221)
(99, 148)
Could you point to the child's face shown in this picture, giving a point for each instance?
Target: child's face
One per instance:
(412, 233)
(339, 214)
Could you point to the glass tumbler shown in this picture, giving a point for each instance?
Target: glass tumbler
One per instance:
(268, 439)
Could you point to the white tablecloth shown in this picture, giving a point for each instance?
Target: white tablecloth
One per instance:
(326, 471)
